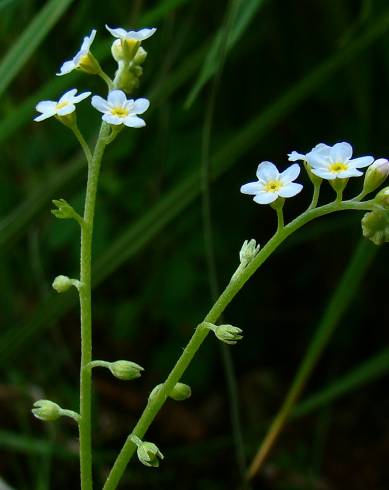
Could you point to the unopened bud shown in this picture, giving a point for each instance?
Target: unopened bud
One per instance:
(149, 454)
(376, 175)
(248, 251)
(382, 198)
(125, 370)
(46, 410)
(228, 333)
(140, 56)
(375, 226)
(62, 283)
(180, 392)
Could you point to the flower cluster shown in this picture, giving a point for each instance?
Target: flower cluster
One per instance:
(117, 110)
(333, 163)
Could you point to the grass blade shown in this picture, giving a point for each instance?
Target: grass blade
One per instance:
(373, 368)
(343, 295)
(27, 43)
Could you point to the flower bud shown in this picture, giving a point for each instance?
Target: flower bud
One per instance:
(140, 56)
(180, 392)
(248, 251)
(46, 410)
(376, 175)
(62, 283)
(125, 370)
(375, 226)
(382, 198)
(148, 454)
(228, 333)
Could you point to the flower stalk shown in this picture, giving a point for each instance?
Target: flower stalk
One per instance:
(201, 332)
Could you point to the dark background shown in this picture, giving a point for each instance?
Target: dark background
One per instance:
(300, 73)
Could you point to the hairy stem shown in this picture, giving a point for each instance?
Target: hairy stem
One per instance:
(201, 332)
(86, 312)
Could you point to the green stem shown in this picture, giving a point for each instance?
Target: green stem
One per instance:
(83, 143)
(316, 193)
(201, 332)
(280, 218)
(86, 312)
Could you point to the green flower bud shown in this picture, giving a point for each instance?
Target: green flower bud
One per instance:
(180, 392)
(125, 370)
(376, 175)
(248, 251)
(62, 283)
(65, 210)
(140, 56)
(382, 198)
(46, 410)
(375, 225)
(228, 333)
(148, 454)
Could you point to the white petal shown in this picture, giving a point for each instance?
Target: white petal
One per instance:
(351, 172)
(134, 122)
(46, 106)
(251, 188)
(267, 171)
(68, 109)
(318, 159)
(141, 35)
(117, 98)
(361, 162)
(68, 95)
(322, 148)
(80, 97)
(119, 32)
(290, 190)
(265, 197)
(99, 103)
(294, 156)
(44, 116)
(290, 174)
(323, 173)
(341, 152)
(111, 119)
(66, 67)
(87, 42)
(141, 106)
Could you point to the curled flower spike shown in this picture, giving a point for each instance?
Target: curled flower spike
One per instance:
(140, 35)
(80, 57)
(63, 107)
(333, 162)
(272, 184)
(118, 110)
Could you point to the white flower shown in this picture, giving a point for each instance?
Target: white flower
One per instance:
(320, 148)
(140, 35)
(272, 184)
(336, 162)
(71, 65)
(64, 106)
(118, 110)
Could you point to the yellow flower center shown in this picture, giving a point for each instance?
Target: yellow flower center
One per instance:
(337, 167)
(61, 105)
(273, 186)
(119, 111)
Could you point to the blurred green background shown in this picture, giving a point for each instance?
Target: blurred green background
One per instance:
(240, 81)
